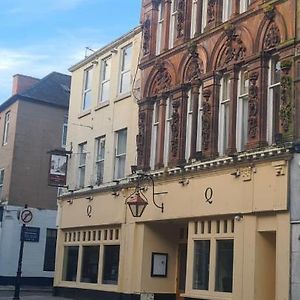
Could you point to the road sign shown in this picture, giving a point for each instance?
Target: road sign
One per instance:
(31, 234)
(26, 216)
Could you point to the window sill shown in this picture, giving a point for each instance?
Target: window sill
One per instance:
(122, 96)
(222, 296)
(102, 105)
(84, 113)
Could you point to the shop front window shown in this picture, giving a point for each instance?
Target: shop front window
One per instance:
(111, 264)
(90, 262)
(70, 263)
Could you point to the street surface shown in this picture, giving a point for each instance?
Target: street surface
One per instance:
(26, 295)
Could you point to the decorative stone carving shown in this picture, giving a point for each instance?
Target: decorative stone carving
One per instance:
(162, 80)
(272, 38)
(285, 112)
(253, 106)
(206, 119)
(270, 12)
(246, 173)
(211, 11)
(175, 129)
(195, 67)
(280, 167)
(235, 49)
(140, 138)
(180, 18)
(146, 36)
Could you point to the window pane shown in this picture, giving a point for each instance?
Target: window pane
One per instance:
(70, 263)
(87, 100)
(125, 82)
(275, 71)
(111, 264)
(122, 139)
(106, 70)
(50, 249)
(121, 166)
(201, 265)
(224, 268)
(88, 79)
(100, 172)
(101, 148)
(90, 262)
(105, 91)
(126, 58)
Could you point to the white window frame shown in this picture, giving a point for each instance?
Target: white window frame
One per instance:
(226, 10)
(160, 26)
(105, 78)
(204, 15)
(87, 88)
(6, 128)
(168, 124)
(189, 120)
(223, 133)
(244, 4)
(154, 135)
(194, 18)
(123, 70)
(199, 127)
(173, 23)
(1, 182)
(270, 106)
(119, 156)
(242, 112)
(64, 132)
(100, 159)
(82, 154)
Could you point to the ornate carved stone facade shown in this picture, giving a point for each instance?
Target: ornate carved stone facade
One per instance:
(146, 36)
(242, 44)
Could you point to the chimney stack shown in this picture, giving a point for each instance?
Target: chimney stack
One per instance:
(22, 83)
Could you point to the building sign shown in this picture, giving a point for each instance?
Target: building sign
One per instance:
(58, 169)
(31, 234)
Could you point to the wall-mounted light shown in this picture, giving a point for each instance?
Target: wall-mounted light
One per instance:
(137, 201)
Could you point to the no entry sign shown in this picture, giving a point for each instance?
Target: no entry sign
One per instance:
(26, 216)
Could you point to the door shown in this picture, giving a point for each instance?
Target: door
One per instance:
(181, 270)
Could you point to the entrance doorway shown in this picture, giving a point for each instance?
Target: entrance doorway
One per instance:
(181, 270)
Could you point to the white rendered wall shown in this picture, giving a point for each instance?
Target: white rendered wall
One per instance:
(33, 259)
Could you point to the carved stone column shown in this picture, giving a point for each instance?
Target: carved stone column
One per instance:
(178, 127)
(257, 110)
(232, 111)
(195, 101)
(143, 139)
(214, 13)
(210, 105)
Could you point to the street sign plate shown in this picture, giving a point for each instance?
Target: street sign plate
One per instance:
(26, 216)
(31, 234)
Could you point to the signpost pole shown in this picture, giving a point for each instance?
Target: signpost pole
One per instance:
(19, 272)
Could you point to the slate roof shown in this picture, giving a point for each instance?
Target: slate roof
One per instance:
(54, 89)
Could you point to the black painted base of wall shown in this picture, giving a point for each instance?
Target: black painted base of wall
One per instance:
(80, 294)
(29, 281)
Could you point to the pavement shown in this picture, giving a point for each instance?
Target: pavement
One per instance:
(29, 293)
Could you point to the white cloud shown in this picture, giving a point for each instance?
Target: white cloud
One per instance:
(38, 60)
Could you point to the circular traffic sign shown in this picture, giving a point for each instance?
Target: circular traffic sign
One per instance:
(26, 216)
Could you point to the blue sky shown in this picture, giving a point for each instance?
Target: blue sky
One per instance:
(41, 36)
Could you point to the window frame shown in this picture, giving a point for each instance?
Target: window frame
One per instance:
(103, 79)
(160, 26)
(173, 23)
(6, 128)
(154, 135)
(272, 104)
(199, 121)
(2, 174)
(99, 159)
(82, 153)
(48, 266)
(189, 121)
(194, 11)
(226, 13)
(168, 130)
(123, 70)
(118, 155)
(223, 131)
(241, 126)
(87, 88)
(64, 131)
(244, 5)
